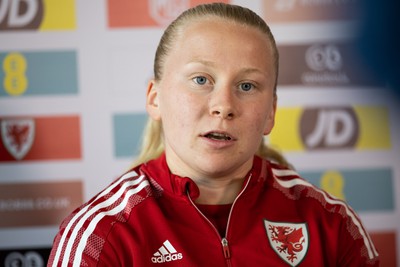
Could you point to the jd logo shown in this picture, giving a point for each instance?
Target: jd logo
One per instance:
(329, 128)
(20, 14)
(164, 11)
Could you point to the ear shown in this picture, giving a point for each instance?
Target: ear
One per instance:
(152, 104)
(271, 117)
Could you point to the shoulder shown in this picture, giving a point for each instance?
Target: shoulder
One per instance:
(294, 186)
(317, 203)
(115, 198)
(91, 223)
(297, 188)
(308, 198)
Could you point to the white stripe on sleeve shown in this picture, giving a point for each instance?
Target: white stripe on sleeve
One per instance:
(82, 211)
(89, 230)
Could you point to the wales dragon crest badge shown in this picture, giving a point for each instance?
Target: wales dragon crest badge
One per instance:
(17, 136)
(289, 240)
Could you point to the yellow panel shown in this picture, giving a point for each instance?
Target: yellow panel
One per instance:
(374, 127)
(59, 15)
(285, 135)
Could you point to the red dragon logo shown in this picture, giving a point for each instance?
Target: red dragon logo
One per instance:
(17, 136)
(288, 240)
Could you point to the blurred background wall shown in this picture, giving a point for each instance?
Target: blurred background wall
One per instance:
(73, 78)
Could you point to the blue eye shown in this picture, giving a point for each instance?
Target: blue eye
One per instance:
(246, 86)
(200, 80)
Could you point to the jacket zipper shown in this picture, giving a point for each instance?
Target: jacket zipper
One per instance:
(225, 247)
(224, 240)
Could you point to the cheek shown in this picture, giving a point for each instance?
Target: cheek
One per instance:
(178, 111)
(260, 123)
(258, 119)
(189, 103)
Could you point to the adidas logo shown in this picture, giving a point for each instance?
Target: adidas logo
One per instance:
(166, 253)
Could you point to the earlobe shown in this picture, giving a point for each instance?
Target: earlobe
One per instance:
(152, 104)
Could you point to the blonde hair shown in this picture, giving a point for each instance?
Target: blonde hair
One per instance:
(152, 143)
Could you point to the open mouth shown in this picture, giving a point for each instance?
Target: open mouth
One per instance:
(218, 136)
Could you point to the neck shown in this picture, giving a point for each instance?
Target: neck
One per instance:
(216, 187)
(218, 192)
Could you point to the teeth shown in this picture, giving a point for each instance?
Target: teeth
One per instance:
(218, 136)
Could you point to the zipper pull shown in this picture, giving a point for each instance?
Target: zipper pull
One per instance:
(225, 247)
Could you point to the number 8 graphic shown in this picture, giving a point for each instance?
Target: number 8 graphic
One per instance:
(15, 80)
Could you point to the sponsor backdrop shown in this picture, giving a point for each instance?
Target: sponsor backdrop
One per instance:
(73, 78)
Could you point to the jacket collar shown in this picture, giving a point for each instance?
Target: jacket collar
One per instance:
(158, 172)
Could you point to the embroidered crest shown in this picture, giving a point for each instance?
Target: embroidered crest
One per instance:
(288, 240)
(17, 136)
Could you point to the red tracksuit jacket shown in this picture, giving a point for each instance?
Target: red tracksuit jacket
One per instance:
(148, 218)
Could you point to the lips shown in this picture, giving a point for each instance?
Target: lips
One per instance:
(219, 136)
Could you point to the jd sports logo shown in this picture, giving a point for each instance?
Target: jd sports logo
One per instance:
(16, 14)
(331, 128)
(35, 14)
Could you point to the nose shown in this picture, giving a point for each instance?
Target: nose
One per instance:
(222, 103)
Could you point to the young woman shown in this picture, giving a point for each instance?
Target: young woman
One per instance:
(200, 195)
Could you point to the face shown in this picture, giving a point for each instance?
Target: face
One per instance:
(215, 99)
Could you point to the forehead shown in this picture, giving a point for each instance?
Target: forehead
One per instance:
(211, 35)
